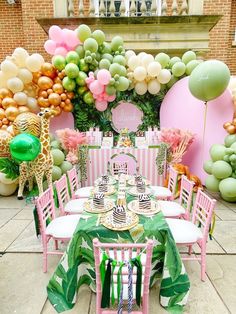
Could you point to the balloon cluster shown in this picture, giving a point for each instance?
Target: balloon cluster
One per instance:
(230, 127)
(222, 169)
(60, 41)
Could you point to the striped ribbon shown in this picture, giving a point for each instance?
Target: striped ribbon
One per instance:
(130, 288)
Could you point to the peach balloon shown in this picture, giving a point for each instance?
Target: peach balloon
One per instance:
(11, 113)
(45, 82)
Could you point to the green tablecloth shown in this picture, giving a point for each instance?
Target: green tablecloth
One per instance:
(76, 267)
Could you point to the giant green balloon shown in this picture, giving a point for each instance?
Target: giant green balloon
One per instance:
(228, 187)
(217, 152)
(209, 80)
(221, 169)
(212, 183)
(163, 59)
(230, 139)
(207, 166)
(25, 147)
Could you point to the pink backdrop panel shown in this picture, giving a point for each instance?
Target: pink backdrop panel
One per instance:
(181, 110)
(64, 120)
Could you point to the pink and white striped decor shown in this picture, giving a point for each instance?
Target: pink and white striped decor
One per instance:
(146, 160)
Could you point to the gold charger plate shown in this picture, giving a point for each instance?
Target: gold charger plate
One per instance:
(111, 190)
(134, 207)
(131, 221)
(133, 191)
(108, 205)
(132, 182)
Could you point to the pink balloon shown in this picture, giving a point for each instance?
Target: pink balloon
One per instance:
(61, 51)
(70, 38)
(50, 46)
(56, 34)
(96, 88)
(101, 105)
(111, 98)
(105, 96)
(103, 76)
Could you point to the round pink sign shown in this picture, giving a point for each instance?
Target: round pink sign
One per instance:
(126, 115)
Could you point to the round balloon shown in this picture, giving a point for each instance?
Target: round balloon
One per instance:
(209, 80)
(25, 147)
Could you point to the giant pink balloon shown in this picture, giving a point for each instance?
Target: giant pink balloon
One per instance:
(181, 110)
(63, 121)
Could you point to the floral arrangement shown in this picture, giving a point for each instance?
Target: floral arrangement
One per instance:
(178, 140)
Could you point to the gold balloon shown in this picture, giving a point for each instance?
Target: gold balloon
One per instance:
(42, 102)
(70, 95)
(231, 129)
(68, 107)
(2, 113)
(49, 91)
(234, 122)
(11, 113)
(57, 80)
(63, 96)
(4, 92)
(226, 125)
(58, 88)
(57, 111)
(36, 76)
(7, 102)
(48, 70)
(23, 109)
(5, 121)
(54, 99)
(43, 93)
(45, 82)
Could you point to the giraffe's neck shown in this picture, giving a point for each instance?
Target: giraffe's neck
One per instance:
(44, 137)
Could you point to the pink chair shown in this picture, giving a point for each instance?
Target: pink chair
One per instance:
(67, 206)
(168, 193)
(122, 252)
(61, 228)
(172, 209)
(187, 233)
(76, 191)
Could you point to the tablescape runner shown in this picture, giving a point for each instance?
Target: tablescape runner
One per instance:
(76, 266)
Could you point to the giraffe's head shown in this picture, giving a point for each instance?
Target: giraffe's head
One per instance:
(47, 113)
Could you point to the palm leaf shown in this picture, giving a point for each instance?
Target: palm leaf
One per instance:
(9, 167)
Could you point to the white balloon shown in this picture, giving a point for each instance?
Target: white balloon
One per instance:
(33, 105)
(146, 60)
(154, 69)
(20, 98)
(15, 84)
(21, 52)
(39, 57)
(20, 55)
(33, 63)
(25, 75)
(7, 189)
(5, 180)
(164, 76)
(9, 68)
(133, 62)
(129, 53)
(140, 73)
(154, 87)
(3, 80)
(141, 88)
(141, 55)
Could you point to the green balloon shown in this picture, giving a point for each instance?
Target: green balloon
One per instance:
(227, 187)
(65, 166)
(81, 90)
(116, 43)
(99, 36)
(229, 199)
(207, 166)
(83, 65)
(106, 48)
(59, 62)
(119, 59)
(209, 80)
(217, 152)
(123, 84)
(108, 56)
(110, 90)
(91, 45)
(56, 173)
(178, 69)
(232, 158)
(191, 66)
(80, 51)
(221, 169)
(172, 81)
(189, 56)
(230, 139)
(83, 32)
(25, 147)
(68, 84)
(173, 61)
(58, 156)
(212, 183)
(72, 70)
(229, 151)
(55, 144)
(233, 146)
(88, 98)
(104, 64)
(163, 59)
(114, 69)
(72, 57)
(80, 80)
(226, 158)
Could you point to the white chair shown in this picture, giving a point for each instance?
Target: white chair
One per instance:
(163, 193)
(172, 209)
(61, 228)
(76, 191)
(67, 206)
(187, 233)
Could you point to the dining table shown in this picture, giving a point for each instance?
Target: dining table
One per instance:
(77, 267)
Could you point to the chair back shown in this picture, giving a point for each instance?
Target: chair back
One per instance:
(123, 252)
(62, 193)
(203, 210)
(120, 167)
(73, 181)
(45, 209)
(173, 178)
(186, 194)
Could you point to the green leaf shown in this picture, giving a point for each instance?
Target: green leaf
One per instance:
(69, 285)
(173, 260)
(176, 299)
(60, 272)
(170, 288)
(10, 168)
(84, 279)
(58, 301)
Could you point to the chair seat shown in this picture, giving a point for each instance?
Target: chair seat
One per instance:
(63, 227)
(171, 209)
(84, 192)
(160, 191)
(184, 231)
(75, 206)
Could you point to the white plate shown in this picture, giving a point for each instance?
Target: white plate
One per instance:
(133, 191)
(133, 206)
(111, 181)
(127, 177)
(108, 205)
(111, 190)
(132, 181)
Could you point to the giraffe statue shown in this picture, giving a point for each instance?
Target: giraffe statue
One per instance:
(43, 164)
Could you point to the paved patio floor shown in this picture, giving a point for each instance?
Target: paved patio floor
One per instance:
(23, 284)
